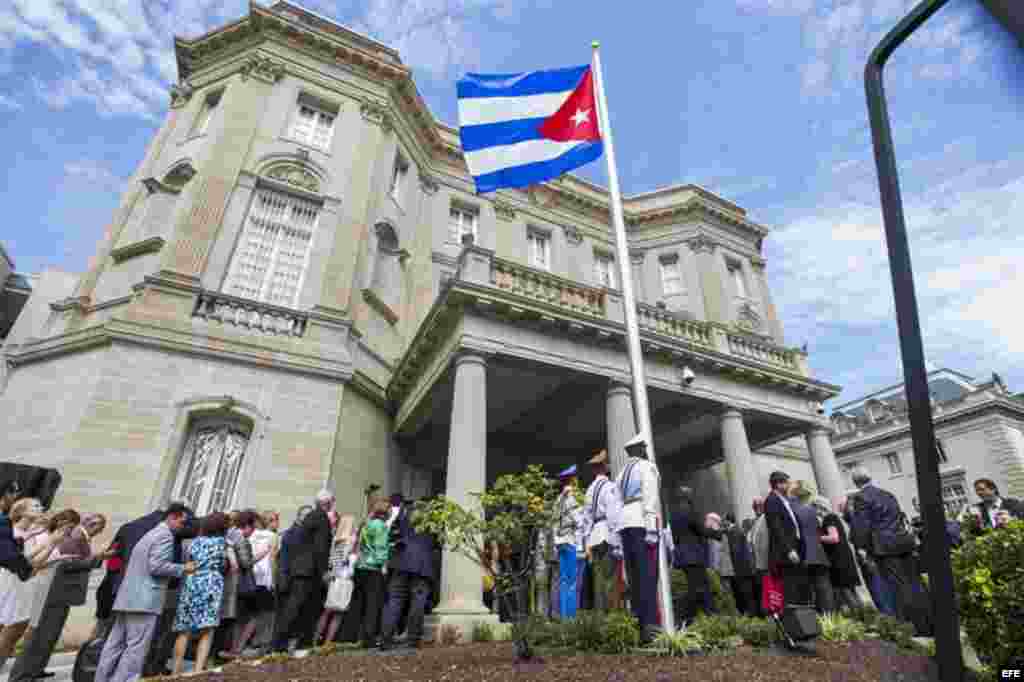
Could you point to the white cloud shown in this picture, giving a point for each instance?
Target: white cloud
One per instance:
(9, 104)
(95, 174)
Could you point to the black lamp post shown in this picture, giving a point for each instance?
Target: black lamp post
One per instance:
(940, 573)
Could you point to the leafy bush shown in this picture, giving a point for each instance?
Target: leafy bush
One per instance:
(482, 632)
(722, 599)
(621, 633)
(839, 628)
(756, 631)
(865, 614)
(990, 584)
(681, 643)
(588, 631)
(720, 633)
(894, 630)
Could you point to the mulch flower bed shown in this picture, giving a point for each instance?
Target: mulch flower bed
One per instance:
(867, 661)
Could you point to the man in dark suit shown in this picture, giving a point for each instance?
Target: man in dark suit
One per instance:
(690, 537)
(815, 560)
(306, 564)
(785, 543)
(991, 504)
(411, 570)
(879, 531)
(742, 566)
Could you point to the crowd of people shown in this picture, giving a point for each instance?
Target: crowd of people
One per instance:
(224, 586)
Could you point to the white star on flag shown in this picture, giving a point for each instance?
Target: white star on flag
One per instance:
(581, 116)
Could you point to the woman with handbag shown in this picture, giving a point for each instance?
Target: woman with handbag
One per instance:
(253, 596)
(339, 579)
(199, 604)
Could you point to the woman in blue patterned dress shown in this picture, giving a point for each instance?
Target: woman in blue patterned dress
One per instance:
(200, 600)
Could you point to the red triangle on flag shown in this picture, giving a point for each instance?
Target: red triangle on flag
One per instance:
(576, 119)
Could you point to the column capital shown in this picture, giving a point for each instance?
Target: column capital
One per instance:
(730, 412)
(471, 356)
(617, 386)
(819, 430)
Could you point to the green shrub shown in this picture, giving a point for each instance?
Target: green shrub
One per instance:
(894, 630)
(482, 632)
(681, 643)
(538, 630)
(621, 633)
(720, 633)
(722, 598)
(865, 614)
(839, 628)
(989, 581)
(756, 631)
(588, 631)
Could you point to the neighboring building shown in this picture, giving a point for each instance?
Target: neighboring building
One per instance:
(301, 288)
(15, 290)
(978, 426)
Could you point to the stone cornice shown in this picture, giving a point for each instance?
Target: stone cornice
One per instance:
(848, 443)
(123, 253)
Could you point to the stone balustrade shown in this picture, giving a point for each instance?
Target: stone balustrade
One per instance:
(252, 315)
(746, 347)
(547, 288)
(664, 322)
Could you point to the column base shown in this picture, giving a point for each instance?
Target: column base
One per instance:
(462, 620)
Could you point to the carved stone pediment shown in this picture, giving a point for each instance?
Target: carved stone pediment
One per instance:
(376, 113)
(263, 68)
(748, 319)
(702, 244)
(294, 175)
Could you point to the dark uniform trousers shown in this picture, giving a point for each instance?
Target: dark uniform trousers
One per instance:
(406, 589)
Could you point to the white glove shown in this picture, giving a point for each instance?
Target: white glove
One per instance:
(652, 537)
(794, 558)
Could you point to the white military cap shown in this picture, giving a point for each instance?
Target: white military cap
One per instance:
(638, 439)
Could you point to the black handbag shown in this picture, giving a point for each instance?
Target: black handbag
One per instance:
(800, 622)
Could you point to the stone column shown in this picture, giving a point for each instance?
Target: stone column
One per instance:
(461, 579)
(621, 424)
(823, 460)
(739, 463)
(716, 300)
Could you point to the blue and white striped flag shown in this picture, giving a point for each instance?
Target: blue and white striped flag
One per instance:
(525, 128)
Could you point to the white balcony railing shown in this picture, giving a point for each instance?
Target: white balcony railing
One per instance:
(252, 315)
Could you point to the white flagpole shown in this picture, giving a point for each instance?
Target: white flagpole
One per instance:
(641, 409)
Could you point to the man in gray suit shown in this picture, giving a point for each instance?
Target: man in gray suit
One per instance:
(140, 599)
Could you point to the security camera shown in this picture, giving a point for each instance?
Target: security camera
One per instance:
(688, 376)
(819, 408)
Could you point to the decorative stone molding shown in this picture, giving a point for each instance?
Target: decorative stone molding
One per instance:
(637, 257)
(79, 303)
(151, 245)
(758, 263)
(542, 196)
(252, 315)
(702, 244)
(572, 235)
(380, 306)
(428, 184)
(295, 175)
(181, 93)
(154, 186)
(504, 211)
(263, 69)
(748, 319)
(376, 113)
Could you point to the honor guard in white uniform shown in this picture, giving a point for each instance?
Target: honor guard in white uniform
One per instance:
(568, 543)
(601, 508)
(639, 527)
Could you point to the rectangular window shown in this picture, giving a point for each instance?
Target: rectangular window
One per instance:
(940, 452)
(954, 496)
(895, 465)
(540, 249)
(272, 255)
(398, 175)
(206, 113)
(461, 221)
(671, 277)
(739, 281)
(604, 270)
(313, 124)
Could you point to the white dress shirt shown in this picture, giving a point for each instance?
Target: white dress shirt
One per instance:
(600, 511)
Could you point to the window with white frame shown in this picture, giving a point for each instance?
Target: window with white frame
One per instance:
(313, 123)
(461, 221)
(739, 280)
(671, 275)
(539, 244)
(398, 176)
(954, 495)
(895, 465)
(604, 270)
(206, 113)
(272, 255)
(210, 465)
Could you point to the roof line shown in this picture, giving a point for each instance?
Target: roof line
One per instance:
(329, 21)
(7, 256)
(961, 375)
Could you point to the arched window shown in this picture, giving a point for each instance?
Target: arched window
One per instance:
(385, 288)
(210, 464)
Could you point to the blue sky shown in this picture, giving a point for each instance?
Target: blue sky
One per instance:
(760, 101)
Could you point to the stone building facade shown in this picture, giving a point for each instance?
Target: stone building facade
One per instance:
(300, 289)
(978, 426)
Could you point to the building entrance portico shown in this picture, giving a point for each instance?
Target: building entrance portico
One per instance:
(494, 388)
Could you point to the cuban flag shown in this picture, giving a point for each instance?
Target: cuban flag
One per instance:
(521, 129)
